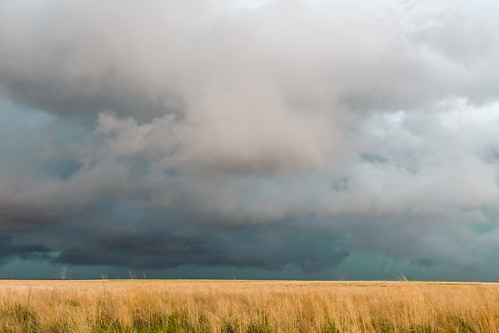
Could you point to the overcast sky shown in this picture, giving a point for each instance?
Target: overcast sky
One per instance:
(250, 139)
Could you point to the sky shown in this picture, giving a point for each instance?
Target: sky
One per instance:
(278, 139)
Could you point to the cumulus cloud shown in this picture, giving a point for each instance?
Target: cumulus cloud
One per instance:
(224, 134)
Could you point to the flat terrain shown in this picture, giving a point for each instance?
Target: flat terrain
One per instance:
(247, 306)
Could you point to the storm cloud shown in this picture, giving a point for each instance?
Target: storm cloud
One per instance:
(249, 134)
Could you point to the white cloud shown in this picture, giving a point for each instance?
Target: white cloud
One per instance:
(356, 118)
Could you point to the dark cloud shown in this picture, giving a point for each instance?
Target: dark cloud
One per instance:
(166, 251)
(10, 249)
(118, 235)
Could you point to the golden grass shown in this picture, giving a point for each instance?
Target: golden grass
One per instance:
(247, 306)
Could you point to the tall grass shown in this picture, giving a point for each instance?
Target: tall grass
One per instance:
(247, 306)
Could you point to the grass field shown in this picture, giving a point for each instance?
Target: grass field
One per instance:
(247, 306)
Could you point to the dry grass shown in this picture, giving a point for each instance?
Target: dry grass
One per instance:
(247, 306)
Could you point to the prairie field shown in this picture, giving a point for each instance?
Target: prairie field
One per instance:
(247, 306)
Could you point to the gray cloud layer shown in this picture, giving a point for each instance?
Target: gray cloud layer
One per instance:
(161, 134)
